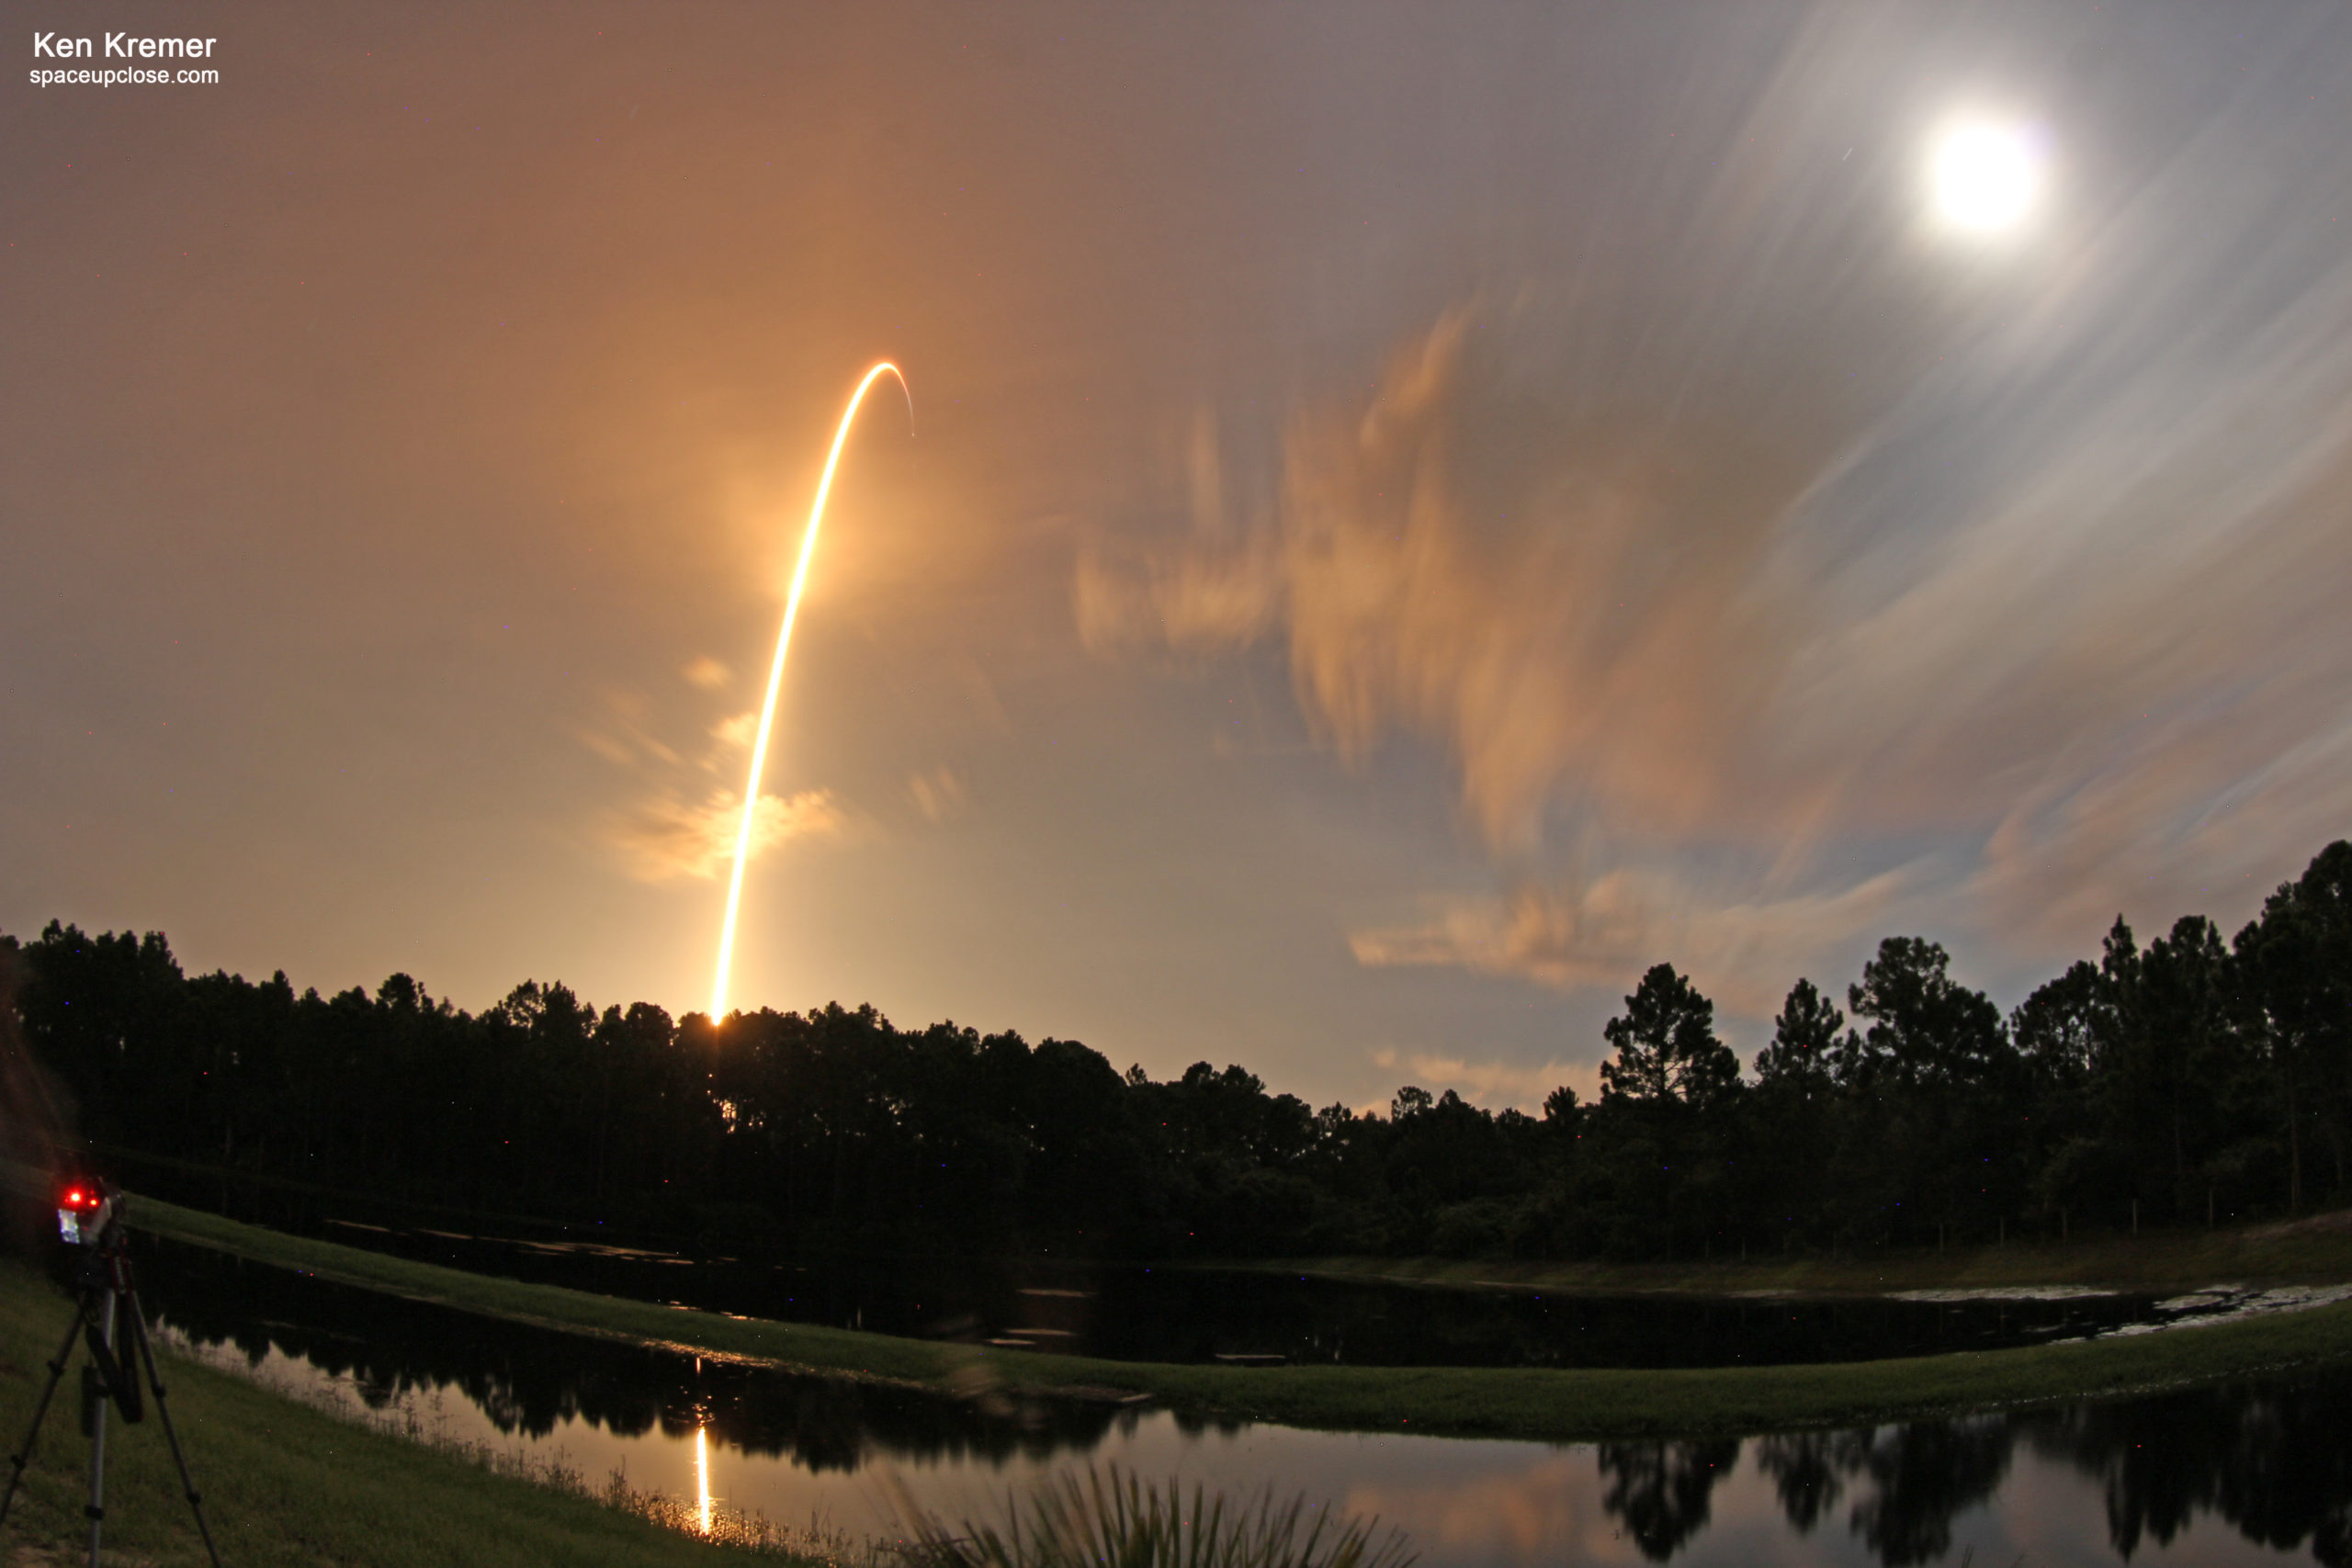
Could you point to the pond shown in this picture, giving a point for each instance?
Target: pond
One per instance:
(1132, 1312)
(2248, 1472)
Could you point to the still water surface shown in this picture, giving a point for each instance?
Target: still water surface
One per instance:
(1127, 1313)
(2254, 1473)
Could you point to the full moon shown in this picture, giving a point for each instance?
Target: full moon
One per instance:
(1985, 177)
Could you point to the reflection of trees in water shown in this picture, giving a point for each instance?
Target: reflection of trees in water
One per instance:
(2273, 1460)
(1808, 1471)
(1663, 1491)
(529, 1381)
(1923, 1474)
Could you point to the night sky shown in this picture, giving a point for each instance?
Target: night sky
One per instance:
(1414, 514)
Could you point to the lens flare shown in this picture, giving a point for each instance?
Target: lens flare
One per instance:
(775, 675)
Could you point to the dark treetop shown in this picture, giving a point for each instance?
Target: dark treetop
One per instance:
(2193, 1077)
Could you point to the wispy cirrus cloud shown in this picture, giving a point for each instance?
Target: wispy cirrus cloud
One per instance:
(939, 795)
(666, 838)
(1620, 923)
(2048, 629)
(1588, 622)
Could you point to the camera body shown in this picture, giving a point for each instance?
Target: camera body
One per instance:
(86, 1210)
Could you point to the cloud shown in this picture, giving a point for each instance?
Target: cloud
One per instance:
(1743, 953)
(1767, 548)
(611, 748)
(619, 735)
(2098, 672)
(734, 733)
(675, 832)
(1196, 602)
(938, 794)
(1216, 595)
(666, 838)
(706, 672)
(1581, 623)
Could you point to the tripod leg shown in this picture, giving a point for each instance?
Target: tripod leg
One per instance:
(97, 1511)
(23, 1455)
(155, 1386)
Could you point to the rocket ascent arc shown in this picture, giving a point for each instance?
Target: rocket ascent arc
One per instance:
(775, 674)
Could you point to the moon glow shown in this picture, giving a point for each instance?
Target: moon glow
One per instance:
(1984, 176)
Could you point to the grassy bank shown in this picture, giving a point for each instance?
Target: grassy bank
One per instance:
(2313, 1251)
(1485, 1401)
(282, 1482)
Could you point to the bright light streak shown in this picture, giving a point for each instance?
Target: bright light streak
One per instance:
(702, 1477)
(1985, 177)
(775, 678)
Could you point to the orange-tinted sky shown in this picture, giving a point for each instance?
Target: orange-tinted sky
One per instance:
(1416, 512)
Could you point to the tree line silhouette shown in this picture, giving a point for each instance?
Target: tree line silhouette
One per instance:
(2191, 1080)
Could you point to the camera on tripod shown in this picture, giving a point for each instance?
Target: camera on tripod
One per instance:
(108, 1322)
(84, 1210)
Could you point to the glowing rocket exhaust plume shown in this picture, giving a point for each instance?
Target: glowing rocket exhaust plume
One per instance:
(775, 675)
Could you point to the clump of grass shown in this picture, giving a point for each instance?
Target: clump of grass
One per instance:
(745, 1531)
(1110, 1519)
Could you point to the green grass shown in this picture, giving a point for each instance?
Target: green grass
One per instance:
(1110, 1519)
(284, 1483)
(2317, 1250)
(1467, 1401)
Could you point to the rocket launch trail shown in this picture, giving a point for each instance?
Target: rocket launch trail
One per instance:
(775, 674)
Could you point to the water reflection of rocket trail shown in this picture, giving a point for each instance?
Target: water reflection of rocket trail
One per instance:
(775, 675)
(701, 1476)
